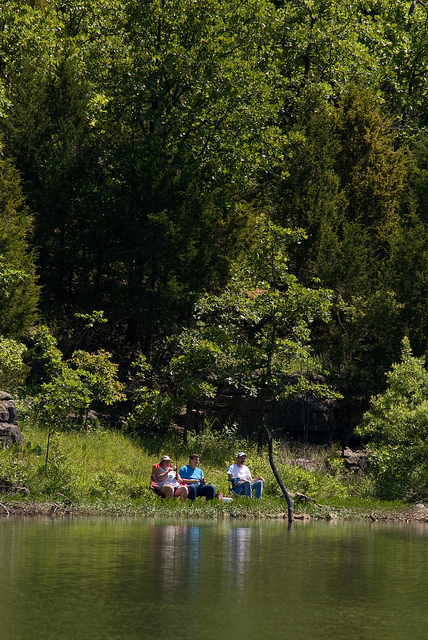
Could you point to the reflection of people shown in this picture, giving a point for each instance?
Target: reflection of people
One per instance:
(239, 551)
(243, 483)
(194, 478)
(169, 481)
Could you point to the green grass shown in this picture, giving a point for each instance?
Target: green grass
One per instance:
(102, 471)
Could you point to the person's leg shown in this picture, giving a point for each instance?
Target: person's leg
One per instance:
(192, 489)
(239, 489)
(167, 491)
(243, 489)
(258, 488)
(181, 492)
(207, 490)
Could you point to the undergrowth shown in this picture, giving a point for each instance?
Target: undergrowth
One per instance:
(102, 471)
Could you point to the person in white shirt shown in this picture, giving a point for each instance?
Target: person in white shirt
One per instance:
(243, 483)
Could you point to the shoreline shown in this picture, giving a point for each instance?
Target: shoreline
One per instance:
(413, 514)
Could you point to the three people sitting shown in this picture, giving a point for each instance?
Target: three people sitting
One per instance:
(189, 482)
(242, 482)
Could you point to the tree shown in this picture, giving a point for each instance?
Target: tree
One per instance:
(18, 289)
(332, 45)
(409, 257)
(63, 387)
(255, 334)
(126, 127)
(343, 186)
(401, 48)
(396, 427)
(327, 45)
(191, 91)
(371, 170)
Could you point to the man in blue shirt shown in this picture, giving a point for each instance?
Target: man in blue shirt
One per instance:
(194, 478)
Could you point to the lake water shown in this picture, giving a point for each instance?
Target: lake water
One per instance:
(129, 579)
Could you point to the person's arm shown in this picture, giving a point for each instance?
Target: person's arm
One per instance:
(161, 474)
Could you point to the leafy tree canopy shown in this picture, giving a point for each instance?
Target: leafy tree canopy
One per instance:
(257, 331)
(18, 289)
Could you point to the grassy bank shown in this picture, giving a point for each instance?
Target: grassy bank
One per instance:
(105, 472)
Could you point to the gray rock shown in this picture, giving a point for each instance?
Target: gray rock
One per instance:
(10, 433)
(357, 461)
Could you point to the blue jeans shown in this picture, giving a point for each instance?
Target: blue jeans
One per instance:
(196, 490)
(246, 489)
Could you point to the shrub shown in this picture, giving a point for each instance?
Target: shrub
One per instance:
(69, 386)
(13, 371)
(397, 425)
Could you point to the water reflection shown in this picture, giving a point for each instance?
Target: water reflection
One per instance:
(126, 579)
(237, 555)
(177, 558)
(175, 553)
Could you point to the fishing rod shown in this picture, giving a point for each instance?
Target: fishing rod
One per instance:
(176, 464)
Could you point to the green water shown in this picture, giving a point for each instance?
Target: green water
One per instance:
(135, 578)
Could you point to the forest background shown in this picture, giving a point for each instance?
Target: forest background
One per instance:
(206, 193)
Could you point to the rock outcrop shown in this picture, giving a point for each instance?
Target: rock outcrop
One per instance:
(356, 461)
(303, 416)
(10, 433)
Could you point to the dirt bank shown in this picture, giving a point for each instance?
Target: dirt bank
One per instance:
(34, 509)
(417, 513)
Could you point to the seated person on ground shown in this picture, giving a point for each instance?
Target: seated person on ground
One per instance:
(169, 481)
(243, 483)
(193, 476)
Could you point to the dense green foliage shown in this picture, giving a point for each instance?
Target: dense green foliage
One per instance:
(257, 331)
(143, 143)
(344, 185)
(70, 386)
(139, 131)
(254, 335)
(397, 424)
(18, 288)
(13, 371)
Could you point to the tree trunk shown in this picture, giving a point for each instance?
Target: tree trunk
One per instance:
(290, 502)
